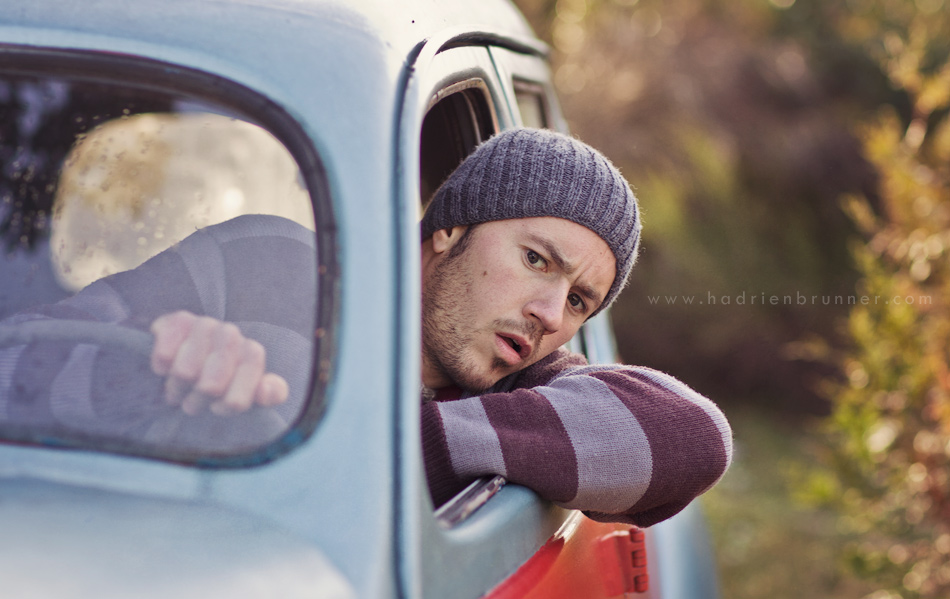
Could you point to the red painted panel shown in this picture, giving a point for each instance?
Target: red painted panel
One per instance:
(585, 560)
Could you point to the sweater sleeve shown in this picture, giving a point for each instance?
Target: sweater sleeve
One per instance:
(229, 271)
(621, 443)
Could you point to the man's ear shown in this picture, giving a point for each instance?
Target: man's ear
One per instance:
(444, 239)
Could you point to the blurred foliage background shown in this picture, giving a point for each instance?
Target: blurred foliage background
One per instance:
(792, 157)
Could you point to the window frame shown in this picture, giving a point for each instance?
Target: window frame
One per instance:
(490, 528)
(145, 74)
(474, 96)
(479, 492)
(528, 89)
(528, 73)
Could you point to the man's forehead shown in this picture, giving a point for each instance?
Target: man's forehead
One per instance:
(556, 228)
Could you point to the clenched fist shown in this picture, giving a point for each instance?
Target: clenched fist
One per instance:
(210, 364)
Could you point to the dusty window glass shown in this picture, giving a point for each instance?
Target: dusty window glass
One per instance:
(120, 205)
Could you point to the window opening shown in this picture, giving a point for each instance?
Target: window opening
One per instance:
(120, 204)
(452, 128)
(531, 104)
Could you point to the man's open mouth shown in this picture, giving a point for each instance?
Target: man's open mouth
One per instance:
(514, 344)
(520, 346)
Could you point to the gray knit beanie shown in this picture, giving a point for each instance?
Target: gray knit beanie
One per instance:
(522, 173)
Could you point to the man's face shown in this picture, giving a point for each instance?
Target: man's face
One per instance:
(518, 290)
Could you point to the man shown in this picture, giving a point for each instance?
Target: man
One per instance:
(531, 236)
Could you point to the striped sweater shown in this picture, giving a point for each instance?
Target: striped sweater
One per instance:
(255, 271)
(622, 443)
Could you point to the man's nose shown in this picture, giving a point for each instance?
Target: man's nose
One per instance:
(548, 309)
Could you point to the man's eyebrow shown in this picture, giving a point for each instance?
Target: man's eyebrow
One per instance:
(592, 295)
(551, 250)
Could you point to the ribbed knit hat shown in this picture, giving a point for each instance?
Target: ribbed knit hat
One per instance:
(522, 173)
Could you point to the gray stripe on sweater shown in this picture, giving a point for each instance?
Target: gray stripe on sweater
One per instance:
(474, 448)
(202, 256)
(261, 225)
(9, 357)
(288, 355)
(604, 434)
(71, 391)
(590, 369)
(715, 414)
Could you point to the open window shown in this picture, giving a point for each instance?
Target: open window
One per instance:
(122, 200)
(460, 118)
(491, 528)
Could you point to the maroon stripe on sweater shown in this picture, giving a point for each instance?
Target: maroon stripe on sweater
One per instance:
(541, 372)
(261, 271)
(536, 448)
(683, 438)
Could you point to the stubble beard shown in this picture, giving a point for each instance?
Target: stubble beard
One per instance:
(447, 336)
(446, 333)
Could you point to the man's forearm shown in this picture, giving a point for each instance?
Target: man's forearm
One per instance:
(620, 443)
(256, 271)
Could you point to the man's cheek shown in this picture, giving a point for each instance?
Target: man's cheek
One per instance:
(552, 343)
(544, 348)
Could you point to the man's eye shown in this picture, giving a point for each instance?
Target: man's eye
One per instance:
(576, 302)
(534, 259)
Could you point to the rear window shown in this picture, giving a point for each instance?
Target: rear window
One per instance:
(121, 203)
(531, 105)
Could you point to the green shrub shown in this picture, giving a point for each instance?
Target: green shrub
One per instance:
(890, 428)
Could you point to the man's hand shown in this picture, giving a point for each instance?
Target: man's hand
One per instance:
(209, 363)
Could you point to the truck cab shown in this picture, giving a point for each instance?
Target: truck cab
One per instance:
(126, 129)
